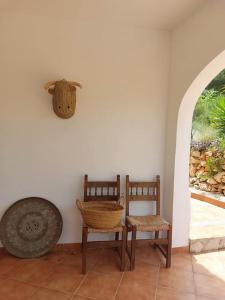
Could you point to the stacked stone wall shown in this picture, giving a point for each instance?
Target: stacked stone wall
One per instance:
(207, 169)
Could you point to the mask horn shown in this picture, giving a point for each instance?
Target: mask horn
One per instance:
(75, 83)
(49, 84)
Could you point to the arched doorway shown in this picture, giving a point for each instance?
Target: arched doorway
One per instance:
(181, 203)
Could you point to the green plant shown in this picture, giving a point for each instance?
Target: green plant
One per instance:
(217, 115)
(204, 105)
(221, 144)
(204, 177)
(214, 165)
(201, 121)
(204, 133)
(208, 123)
(218, 82)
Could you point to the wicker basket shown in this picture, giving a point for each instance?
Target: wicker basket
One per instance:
(100, 214)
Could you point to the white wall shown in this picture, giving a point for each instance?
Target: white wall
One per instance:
(194, 46)
(119, 125)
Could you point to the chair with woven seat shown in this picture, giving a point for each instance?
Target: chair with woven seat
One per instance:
(147, 191)
(103, 191)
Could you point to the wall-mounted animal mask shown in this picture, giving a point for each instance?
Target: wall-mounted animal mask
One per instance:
(64, 97)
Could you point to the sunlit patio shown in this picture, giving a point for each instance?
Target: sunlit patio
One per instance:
(207, 230)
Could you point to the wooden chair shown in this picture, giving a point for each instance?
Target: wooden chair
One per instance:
(147, 191)
(103, 191)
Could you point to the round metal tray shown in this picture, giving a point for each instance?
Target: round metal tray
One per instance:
(30, 227)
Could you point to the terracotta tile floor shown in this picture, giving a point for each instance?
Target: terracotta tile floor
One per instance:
(57, 276)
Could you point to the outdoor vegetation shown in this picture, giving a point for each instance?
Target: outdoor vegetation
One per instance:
(207, 155)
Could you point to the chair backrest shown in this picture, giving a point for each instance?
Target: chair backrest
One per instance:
(143, 191)
(101, 190)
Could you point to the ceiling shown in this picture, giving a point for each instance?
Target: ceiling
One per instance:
(157, 14)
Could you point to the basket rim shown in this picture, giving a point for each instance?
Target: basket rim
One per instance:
(102, 211)
(119, 208)
(97, 204)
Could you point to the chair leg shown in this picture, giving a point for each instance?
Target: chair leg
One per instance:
(127, 246)
(156, 237)
(169, 246)
(117, 235)
(84, 249)
(123, 248)
(133, 247)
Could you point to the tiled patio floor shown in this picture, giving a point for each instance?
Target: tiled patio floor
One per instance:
(57, 276)
(207, 230)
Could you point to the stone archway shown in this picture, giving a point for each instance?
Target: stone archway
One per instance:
(181, 195)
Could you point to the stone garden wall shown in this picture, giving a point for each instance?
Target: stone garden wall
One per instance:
(207, 169)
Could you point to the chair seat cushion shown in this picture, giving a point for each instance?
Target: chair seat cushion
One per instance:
(118, 228)
(148, 223)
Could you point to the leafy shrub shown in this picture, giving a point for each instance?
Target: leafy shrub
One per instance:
(208, 123)
(214, 165)
(204, 177)
(203, 106)
(221, 144)
(217, 115)
(203, 133)
(201, 129)
(218, 82)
